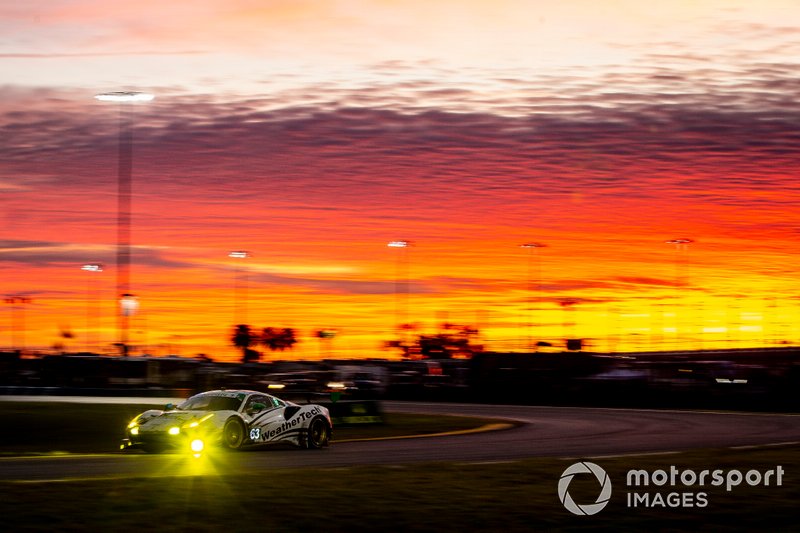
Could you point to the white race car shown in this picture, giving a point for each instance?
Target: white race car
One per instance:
(230, 418)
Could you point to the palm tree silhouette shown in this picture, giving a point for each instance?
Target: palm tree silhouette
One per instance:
(243, 337)
(278, 338)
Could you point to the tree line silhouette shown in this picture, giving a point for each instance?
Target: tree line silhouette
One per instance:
(450, 342)
(275, 339)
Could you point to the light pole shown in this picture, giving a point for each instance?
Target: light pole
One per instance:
(92, 269)
(239, 315)
(533, 253)
(127, 301)
(401, 277)
(681, 276)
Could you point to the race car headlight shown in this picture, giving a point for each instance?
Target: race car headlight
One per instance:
(135, 430)
(133, 423)
(197, 445)
(174, 430)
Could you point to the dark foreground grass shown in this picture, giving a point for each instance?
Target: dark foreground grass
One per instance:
(44, 427)
(520, 496)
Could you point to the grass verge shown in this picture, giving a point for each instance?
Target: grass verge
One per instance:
(518, 496)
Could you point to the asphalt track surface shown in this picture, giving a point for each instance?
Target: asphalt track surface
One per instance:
(567, 432)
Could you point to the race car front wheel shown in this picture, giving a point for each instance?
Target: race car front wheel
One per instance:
(318, 434)
(233, 434)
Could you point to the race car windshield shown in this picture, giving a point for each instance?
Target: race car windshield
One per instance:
(211, 403)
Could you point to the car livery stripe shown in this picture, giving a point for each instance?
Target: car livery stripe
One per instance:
(301, 415)
(261, 415)
(286, 435)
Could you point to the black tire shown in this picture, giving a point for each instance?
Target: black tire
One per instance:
(233, 434)
(318, 434)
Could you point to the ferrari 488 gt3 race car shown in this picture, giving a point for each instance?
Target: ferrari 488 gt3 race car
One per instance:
(231, 418)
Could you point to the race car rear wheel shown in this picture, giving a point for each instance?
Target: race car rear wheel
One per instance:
(233, 434)
(318, 434)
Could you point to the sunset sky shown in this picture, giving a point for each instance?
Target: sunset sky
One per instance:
(312, 133)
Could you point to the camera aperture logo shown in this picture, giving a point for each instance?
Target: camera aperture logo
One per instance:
(584, 467)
